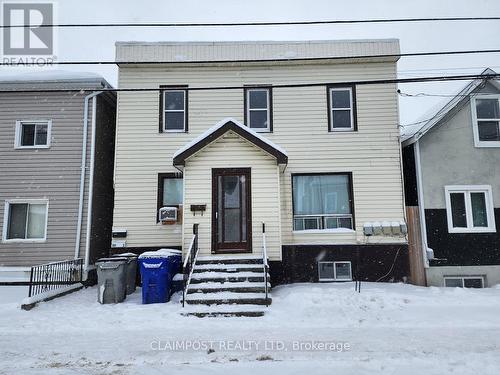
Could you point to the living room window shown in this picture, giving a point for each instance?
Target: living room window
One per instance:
(322, 201)
(469, 209)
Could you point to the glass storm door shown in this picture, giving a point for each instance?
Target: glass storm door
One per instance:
(231, 217)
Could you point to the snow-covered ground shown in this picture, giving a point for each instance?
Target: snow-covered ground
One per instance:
(310, 328)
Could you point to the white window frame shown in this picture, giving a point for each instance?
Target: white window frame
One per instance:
(267, 109)
(18, 138)
(331, 109)
(467, 190)
(8, 202)
(184, 110)
(478, 143)
(335, 270)
(462, 278)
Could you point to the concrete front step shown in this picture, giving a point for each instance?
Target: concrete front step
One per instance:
(229, 278)
(222, 267)
(228, 298)
(241, 287)
(223, 311)
(229, 259)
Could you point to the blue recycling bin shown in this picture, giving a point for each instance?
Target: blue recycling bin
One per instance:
(157, 271)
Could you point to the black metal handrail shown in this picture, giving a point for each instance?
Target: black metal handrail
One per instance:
(55, 275)
(264, 261)
(189, 262)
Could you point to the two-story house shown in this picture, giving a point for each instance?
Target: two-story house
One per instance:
(56, 169)
(241, 137)
(452, 173)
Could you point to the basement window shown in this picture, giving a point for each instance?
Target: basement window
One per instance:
(464, 281)
(334, 271)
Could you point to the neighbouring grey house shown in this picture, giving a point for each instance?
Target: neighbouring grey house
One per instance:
(452, 172)
(57, 154)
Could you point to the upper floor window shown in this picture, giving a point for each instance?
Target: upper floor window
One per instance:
(342, 108)
(33, 134)
(173, 105)
(25, 220)
(258, 108)
(322, 201)
(486, 118)
(469, 209)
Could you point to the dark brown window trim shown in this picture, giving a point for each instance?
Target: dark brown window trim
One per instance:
(186, 112)
(351, 191)
(159, 197)
(354, 107)
(269, 88)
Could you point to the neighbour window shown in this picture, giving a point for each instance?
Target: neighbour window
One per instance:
(258, 108)
(170, 190)
(464, 282)
(486, 110)
(469, 209)
(334, 271)
(174, 110)
(322, 201)
(26, 220)
(342, 108)
(33, 134)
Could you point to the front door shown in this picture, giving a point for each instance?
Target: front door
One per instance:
(231, 214)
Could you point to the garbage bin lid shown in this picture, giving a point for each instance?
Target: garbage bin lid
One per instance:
(125, 255)
(114, 259)
(161, 253)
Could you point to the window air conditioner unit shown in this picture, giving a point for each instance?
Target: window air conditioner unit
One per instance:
(167, 214)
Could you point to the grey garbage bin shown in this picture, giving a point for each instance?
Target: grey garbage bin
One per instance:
(130, 270)
(111, 279)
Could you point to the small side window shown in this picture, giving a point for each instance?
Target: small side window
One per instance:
(173, 107)
(33, 134)
(342, 109)
(258, 108)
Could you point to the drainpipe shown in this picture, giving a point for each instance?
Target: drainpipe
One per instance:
(82, 174)
(420, 192)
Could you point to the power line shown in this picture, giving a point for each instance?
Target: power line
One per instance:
(293, 85)
(15, 62)
(254, 23)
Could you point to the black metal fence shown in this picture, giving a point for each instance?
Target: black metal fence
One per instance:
(56, 275)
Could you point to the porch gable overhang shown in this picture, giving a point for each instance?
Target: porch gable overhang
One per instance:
(224, 126)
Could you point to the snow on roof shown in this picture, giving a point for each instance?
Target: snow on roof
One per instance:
(219, 125)
(48, 75)
(412, 133)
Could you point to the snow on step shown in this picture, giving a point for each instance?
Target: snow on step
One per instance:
(215, 274)
(222, 266)
(224, 296)
(237, 284)
(228, 257)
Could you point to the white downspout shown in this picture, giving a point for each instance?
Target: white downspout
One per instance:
(83, 167)
(420, 192)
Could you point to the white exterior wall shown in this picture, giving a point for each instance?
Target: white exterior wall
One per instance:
(300, 126)
(231, 151)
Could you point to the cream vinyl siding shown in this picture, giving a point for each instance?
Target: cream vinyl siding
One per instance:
(231, 151)
(300, 126)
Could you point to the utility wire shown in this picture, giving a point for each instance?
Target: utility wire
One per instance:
(170, 62)
(253, 23)
(241, 87)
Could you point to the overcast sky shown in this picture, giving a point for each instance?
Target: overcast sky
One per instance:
(98, 44)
